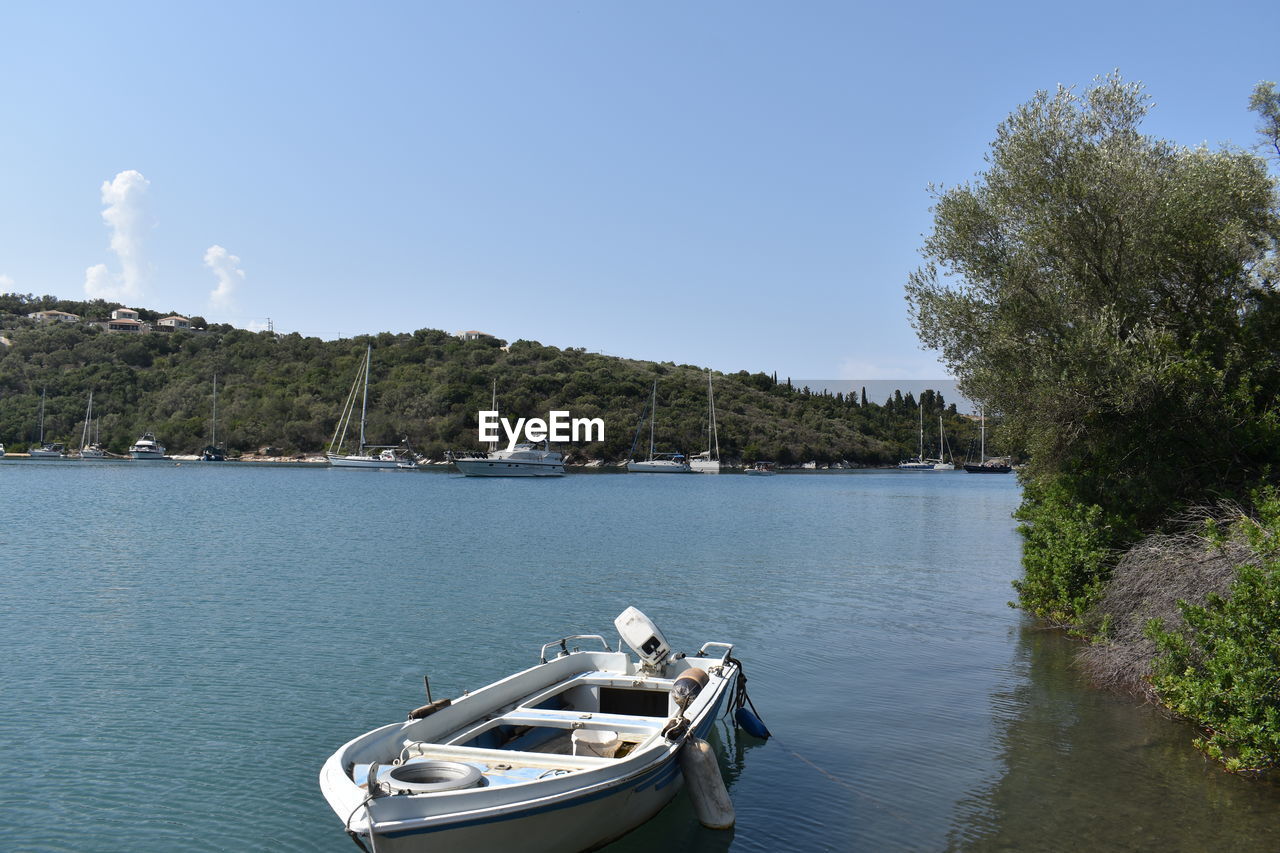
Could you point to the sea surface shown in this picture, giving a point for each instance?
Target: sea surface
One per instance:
(185, 644)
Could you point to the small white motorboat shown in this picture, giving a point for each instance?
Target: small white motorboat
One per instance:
(761, 469)
(523, 460)
(565, 756)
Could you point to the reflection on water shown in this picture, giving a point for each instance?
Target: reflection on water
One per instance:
(1086, 770)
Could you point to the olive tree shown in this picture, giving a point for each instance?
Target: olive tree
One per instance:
(1106, 292)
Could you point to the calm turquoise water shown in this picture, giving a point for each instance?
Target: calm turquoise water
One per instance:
(185, 645)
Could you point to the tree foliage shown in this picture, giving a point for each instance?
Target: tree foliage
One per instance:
(1109, 293)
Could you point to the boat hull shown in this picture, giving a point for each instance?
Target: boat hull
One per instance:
(508, 468)
(361, 462)
(704, 466)
(146, 454)
(586, 822)
(988, 469)
(658, 466)
(37, 453)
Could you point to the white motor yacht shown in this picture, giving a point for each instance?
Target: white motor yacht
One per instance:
(146, 448)
(522, 460)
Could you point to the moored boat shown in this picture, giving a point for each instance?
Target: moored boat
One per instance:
(918, 463)
(985, 465)
(45, 450)
(565, 756)
(656, 463)
(213, 452)
(90, 444)
(146, 447)
(387, 456)
(761, 469)
(708, 461)
(523, 460)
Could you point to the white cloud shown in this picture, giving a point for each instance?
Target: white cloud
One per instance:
(125, 214)
(226, 268)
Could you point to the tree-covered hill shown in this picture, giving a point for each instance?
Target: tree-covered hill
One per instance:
(287, 392)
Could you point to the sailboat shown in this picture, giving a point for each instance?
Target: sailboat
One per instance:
(656, 463)
(708, 461)
(986, 467)
(919, 463)
(942, 464)
(43, 450)
(362, 457)
(212, 452)
(90, 449)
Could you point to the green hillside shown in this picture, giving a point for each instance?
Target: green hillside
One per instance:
(287, 391)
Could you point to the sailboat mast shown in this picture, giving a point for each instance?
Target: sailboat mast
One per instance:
(42, 416)
(983, 453)
(214, 442)
(84, 433)
(941, 452)
(493, 406)
(364, 403)
(653, 416)
(711, 402)
(921, 456)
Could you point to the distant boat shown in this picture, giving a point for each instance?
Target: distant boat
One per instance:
(90, 449)
(942, 464)
(523, 460)
(919, 463)
(43, 450)
(212, 451)
(761, 469)
(986, 467)
(146, 447)
(655, 463)
(1, 451)
(388, 455)
(708, 461)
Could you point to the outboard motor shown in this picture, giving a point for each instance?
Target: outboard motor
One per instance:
(644, 638)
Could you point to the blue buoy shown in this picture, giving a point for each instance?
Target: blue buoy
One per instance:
(750, 723)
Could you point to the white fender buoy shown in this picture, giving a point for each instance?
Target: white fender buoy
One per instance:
(706, 787)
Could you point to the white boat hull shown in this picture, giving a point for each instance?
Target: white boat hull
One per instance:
(658, 466)
(584, 821)
(362, 462)
(704, 466)
(479, 467)
(36, 453)
(915, 466)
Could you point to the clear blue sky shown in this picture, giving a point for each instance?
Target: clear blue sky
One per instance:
(740, 185)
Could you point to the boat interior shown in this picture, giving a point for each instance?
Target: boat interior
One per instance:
(583, 722)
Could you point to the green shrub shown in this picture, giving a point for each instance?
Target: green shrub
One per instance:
(1221, 670)
(1066, 555)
